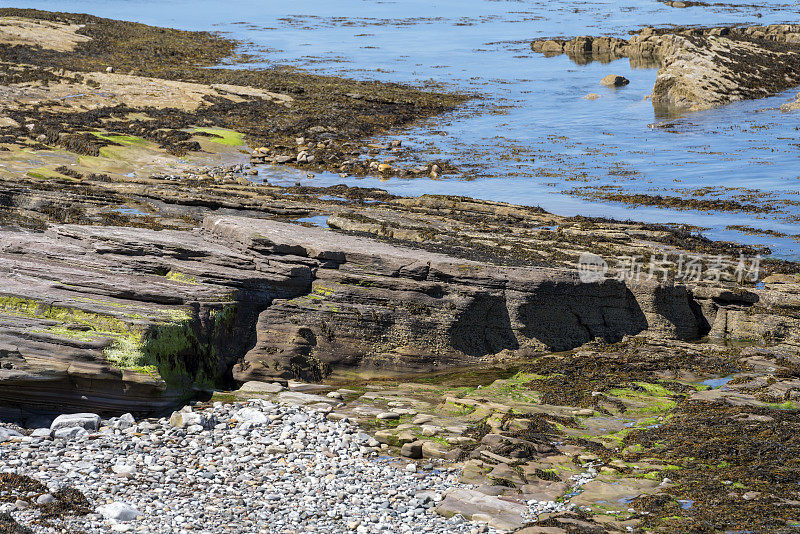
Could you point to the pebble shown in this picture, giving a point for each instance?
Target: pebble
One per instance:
(255, 466)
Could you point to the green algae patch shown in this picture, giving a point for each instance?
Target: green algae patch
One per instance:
(222, 136)
(453, 408)
(787, 405)
(643, 403)
(655, 389)
(174, 351)
(176, 276)
(24, 307)
(44, 173)
(69, 333)
(516, 387)
(130, 140)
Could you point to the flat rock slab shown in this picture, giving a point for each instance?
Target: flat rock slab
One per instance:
(505, 515)
(727, 396)
(618, 493)
(296, 397)
(255, 386)
(305, 387)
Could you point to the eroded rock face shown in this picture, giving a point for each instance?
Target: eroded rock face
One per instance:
(388, 310)
(116, 319)
(700, 68)
(131, 319)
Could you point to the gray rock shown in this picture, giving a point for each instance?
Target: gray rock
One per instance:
(118, 511)
(253, 416)
(255, 386)
(88, 421)
(422, 419)
(8, 433)
(45, 498)
(296, 397)
(71, 433)
(412, 450)
(124, 470)
(125, 421)
(184, 419)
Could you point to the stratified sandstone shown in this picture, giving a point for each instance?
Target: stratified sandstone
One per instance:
(383, 309)
(135, 319)
(125, 319)
(700, 68)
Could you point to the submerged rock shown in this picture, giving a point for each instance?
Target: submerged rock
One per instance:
(792, 106)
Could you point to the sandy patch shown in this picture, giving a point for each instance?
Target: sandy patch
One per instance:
(49, 35)
(99, 89)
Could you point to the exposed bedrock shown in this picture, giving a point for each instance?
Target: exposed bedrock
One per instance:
(134, 319)
(380, 309)
(111, 319)
(700, 68)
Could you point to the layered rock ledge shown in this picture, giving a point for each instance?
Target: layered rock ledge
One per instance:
(136, 319)
(700, 68)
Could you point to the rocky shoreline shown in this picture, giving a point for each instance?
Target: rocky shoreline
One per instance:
(541, 373)
(255, 466)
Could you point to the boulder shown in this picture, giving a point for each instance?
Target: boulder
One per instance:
(88, 421)
(71, 433)
(41, 433)
(434, 449)
(614, 80)
(253, 416)
(8, 433)
(184, 419)
(411, 450)
(124, 422)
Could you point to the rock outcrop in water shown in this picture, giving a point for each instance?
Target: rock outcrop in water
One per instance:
(700, 68)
